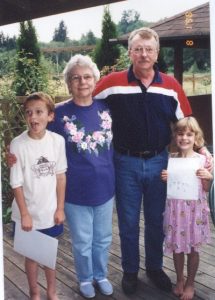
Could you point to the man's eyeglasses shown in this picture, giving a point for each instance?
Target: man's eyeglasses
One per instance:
(140, 50)
(78, 78)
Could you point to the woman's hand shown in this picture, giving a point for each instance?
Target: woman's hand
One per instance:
(10, 157)
(164, 175)
(209, 158)
(204, 173)
(206, 178)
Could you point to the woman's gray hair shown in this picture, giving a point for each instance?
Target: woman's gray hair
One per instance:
(82, 61)
(144, 33)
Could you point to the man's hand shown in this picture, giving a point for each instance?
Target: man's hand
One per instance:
(164, 175)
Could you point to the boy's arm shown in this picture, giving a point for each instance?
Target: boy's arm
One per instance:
(26, 219)
(59, 215)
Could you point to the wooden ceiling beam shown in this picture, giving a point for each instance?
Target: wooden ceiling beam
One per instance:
(12, 11)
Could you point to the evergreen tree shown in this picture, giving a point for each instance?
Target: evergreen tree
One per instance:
(88, 39)
(130, 20)
(27, 43)
(199, 56)
(29, 74)
(60, 38)
(60, 34)
(105, 52)
(161, 62)
(7, 43)
(91, 39)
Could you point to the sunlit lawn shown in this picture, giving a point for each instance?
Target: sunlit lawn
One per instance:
(197, 84)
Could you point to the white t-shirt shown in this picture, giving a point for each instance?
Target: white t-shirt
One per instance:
(38, 162)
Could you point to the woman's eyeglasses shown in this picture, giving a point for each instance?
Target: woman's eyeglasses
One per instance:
(78, 78)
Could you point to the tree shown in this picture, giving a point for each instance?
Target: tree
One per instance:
(7, 43)
(199, 56)
(130, 20)
(60, 38)
(27, 41)
(30, 76)
(105, 52)
(162, 65)
(88, 39)
(60, 33)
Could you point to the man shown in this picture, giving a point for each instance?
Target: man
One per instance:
(143, 103)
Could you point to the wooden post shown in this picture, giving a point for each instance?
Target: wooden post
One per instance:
(193, 83)
(178, 62)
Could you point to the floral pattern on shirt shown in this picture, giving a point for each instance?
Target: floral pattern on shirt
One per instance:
(91, 142)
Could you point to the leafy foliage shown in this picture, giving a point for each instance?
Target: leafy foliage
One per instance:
(6, 215)
(7, 62)
(161, 62)
(168, 57)
(122, 63)
(33, 77)
(11, 124)
(200, 57)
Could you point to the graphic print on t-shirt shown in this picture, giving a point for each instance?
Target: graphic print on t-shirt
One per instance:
(43, 167)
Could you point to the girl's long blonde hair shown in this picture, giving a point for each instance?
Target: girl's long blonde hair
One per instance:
(191, 124)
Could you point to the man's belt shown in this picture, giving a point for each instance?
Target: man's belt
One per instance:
(141, 154)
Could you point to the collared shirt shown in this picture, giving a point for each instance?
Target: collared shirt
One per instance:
(142, 116)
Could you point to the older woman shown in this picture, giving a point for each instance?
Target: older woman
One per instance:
(86, 126)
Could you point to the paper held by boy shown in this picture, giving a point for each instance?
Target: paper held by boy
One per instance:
(36, 246)
(182, 182)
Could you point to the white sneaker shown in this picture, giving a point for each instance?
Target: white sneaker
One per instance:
(87, 289)
(105, 287)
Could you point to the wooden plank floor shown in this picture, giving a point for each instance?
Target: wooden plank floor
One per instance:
(16, 286)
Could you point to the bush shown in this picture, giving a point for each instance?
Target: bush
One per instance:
(11, 124)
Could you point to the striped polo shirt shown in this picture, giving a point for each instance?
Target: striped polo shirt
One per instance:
(142, 116)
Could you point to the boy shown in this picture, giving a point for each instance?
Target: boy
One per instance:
(38, 181)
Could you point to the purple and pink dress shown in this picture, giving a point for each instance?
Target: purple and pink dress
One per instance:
(186, 222)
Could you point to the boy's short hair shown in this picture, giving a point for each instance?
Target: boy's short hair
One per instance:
(42, 97)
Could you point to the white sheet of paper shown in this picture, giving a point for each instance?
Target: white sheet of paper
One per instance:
(182, 181)
(36, 246)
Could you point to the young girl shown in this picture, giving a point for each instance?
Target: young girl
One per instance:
(38, 181)
(186, 223)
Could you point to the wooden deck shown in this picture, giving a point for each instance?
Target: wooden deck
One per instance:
(16, 286)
